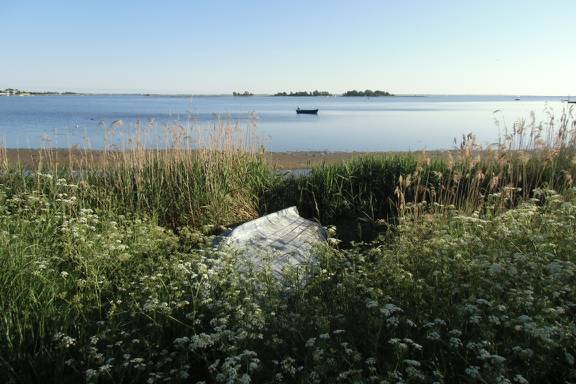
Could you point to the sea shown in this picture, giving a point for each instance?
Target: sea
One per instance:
(397, 123)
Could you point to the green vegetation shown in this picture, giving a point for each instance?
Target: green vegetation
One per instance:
(367, 93)
(366, 195)
(181, 185)
(467, 274)
(304, 93)
(245, 93)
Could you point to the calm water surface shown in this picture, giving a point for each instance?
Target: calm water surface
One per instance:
(343, 124)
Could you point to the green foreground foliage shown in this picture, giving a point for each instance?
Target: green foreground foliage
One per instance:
(88, 294)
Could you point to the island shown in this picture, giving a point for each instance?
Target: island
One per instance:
(304, 93)
(366, 93)
(245, 93)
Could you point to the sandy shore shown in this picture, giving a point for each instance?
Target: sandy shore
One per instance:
(280, 160)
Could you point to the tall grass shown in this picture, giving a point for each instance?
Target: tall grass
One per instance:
(198, 177)
(369, 193)
(218, 176)
(474, 178)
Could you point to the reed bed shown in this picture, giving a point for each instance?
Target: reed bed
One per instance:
(218, 175)
(368, 194)
(198, 176)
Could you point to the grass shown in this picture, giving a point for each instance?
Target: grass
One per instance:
(369, 193)
(111, 298)
(467, 272)
(212, 180)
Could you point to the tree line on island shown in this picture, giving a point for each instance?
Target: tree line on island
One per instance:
(304, 93)
(367, 93)
(353, 93)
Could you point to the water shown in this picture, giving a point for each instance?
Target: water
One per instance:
(343, 124)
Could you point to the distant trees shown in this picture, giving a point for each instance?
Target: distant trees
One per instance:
(368, 93)
(245, 93)
(304, 93)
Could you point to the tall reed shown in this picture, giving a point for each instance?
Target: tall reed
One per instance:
(197, 176)
(473, 178)
(376, 190)
(217, 175)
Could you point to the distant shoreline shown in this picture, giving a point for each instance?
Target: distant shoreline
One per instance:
(28, 94)
(397, 95)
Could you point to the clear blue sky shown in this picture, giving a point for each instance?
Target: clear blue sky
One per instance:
(215, 46)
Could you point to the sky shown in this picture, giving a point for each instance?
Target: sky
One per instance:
(215, 47)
